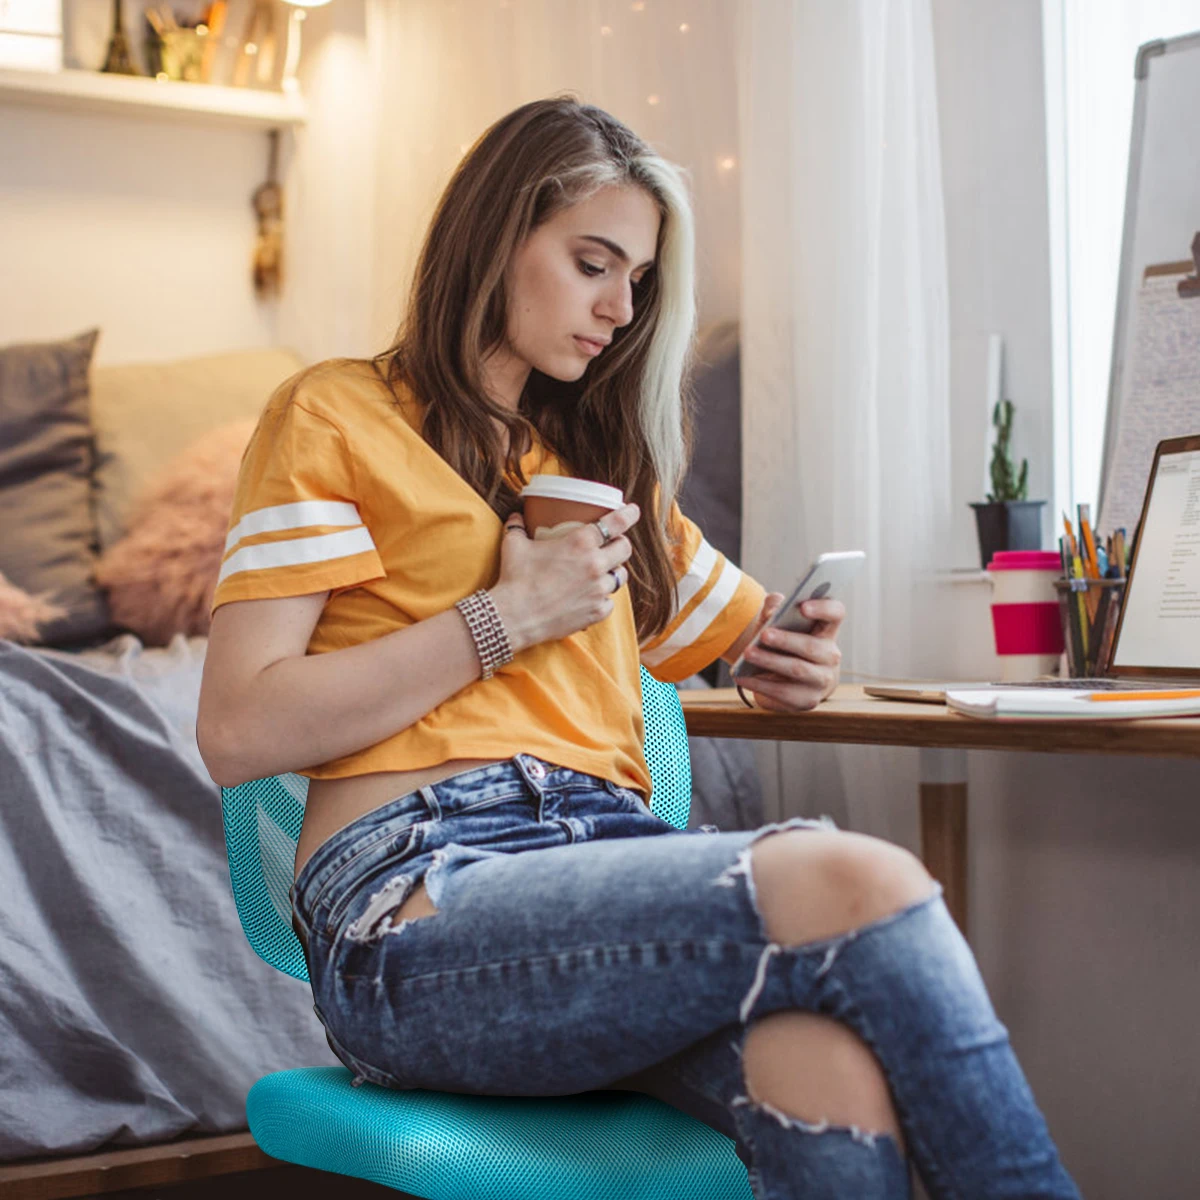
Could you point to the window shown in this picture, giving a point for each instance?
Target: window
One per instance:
(1090, 48)
(31, 34)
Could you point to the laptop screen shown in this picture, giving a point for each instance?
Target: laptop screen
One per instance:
(1160, 624)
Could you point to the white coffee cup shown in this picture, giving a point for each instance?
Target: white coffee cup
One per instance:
(1025, 613)
(556, 504)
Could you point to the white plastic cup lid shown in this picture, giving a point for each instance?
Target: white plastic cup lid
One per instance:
(566, 487)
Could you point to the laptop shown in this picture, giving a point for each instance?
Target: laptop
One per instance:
(1158, 635)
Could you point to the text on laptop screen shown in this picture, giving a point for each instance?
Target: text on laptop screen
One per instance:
(1161, 623)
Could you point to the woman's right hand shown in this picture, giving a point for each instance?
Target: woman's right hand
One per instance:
(552, 588)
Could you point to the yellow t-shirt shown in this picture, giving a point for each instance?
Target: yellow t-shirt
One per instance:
(338, 491)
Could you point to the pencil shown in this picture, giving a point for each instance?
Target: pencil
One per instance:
(1069, 532)
(1087, 545)
(1084, 612)
(1180, 694)
(1089, 557)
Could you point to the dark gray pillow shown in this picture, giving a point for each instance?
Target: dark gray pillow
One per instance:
(47, 527)
(712, 490)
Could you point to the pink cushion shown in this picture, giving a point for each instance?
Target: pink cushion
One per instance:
(161, 575)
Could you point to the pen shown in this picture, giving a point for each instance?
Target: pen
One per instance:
(1099, 622)
(1181, 694)
(1108, 633)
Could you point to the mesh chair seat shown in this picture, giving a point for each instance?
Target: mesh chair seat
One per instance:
(446, 1146)
(595, 1146)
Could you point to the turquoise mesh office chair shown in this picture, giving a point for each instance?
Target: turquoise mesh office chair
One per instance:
(446, 1146)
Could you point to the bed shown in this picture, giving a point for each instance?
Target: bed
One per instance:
(133, 1013)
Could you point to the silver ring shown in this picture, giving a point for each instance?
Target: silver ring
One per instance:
(603, 532)
(616, 581)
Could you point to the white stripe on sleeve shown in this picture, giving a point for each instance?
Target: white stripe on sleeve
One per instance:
(302, 513)
(325, 547)
(705, 613)
(693, 579)
(696, 576)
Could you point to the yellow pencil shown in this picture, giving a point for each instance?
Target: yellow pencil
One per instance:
(1089, 551)
(1083, 606)
(1180, 694)
(1069, 532)
(1091, 566)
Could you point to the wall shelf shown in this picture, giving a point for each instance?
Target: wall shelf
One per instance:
(91, 91)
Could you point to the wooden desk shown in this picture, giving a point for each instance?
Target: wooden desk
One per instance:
(850, 717)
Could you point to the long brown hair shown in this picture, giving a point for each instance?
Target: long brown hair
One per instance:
(628, 420)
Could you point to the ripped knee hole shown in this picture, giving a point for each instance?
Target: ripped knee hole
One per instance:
(417, 905)
(796, 1062)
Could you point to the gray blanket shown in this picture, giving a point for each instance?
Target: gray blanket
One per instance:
(132, 1008)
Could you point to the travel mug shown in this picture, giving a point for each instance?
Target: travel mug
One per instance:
(553, 505)
(1025, 618)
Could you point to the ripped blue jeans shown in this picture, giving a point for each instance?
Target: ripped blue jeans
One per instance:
(582, 943)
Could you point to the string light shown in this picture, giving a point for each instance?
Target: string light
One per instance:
(727, 163)
(606, 31)
(652, 98)
(638, 5)
(684, 27)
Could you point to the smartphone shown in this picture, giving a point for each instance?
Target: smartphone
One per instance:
(829, 577)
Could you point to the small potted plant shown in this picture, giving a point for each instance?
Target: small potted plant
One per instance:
(1007, 520)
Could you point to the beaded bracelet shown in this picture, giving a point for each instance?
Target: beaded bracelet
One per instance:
(487, 631)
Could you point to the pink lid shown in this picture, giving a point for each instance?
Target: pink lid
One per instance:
(1025, 560)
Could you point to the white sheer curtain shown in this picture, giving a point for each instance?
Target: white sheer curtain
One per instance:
(443, 70)
(809, 128)
(846, 349)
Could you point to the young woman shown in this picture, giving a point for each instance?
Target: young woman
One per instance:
(487, 903)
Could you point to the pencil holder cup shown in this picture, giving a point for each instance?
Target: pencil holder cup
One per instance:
(1089, 610)
(1025, 621)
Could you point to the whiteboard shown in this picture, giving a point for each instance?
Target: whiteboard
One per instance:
(1162, 216)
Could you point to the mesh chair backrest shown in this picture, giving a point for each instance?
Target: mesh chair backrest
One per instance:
(263, 817)
(665, 746)
(262, 826)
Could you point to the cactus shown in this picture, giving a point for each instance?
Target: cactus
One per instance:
(1006, 483)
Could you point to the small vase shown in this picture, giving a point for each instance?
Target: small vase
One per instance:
(1008, 525)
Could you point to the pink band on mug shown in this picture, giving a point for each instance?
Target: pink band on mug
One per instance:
(1027, 629)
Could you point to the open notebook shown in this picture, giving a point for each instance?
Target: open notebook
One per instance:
(1015, 704)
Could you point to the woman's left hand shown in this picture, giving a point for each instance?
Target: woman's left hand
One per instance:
(799, 669)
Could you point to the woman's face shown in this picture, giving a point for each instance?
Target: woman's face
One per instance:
(571, 282)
